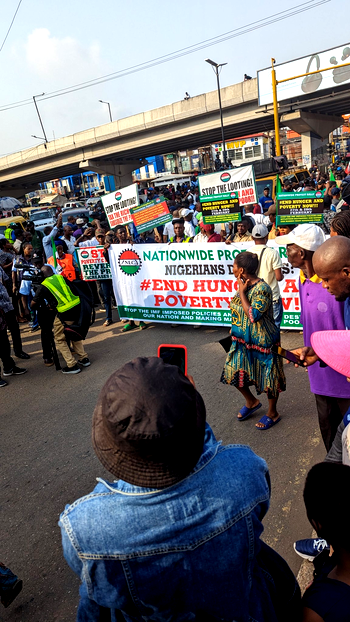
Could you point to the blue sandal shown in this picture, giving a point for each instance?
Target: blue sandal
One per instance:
(246, 412)
(268, 422)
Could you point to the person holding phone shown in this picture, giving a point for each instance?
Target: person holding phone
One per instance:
(251, 361)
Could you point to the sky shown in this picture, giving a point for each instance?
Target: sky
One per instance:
(55, 45)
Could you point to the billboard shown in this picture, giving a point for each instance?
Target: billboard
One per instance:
(309, 84)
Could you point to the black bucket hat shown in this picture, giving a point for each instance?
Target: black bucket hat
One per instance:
(148, 424)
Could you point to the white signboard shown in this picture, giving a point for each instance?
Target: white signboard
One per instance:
(117, 205)
(188, 283)
(308, 84)
(241, 180)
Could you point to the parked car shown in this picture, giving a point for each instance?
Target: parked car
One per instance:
(43, 218)
(73, 205)
(77, 213)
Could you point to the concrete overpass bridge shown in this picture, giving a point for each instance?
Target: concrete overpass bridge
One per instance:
(118, 148)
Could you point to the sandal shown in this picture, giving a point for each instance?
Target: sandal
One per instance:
(268, 422)
(128, 327)
(246, 412)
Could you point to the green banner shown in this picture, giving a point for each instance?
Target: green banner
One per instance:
(220, 208)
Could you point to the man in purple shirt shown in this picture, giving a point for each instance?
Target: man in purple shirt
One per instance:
(319, 311)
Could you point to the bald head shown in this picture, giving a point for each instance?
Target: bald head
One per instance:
(47, 271)
(331, 263)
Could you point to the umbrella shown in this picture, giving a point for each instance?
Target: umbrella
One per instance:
(9, 202)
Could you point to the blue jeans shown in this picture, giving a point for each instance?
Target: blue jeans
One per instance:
(107, 292)
(277, 312)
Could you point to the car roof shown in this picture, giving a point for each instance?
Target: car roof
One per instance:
(77, 210)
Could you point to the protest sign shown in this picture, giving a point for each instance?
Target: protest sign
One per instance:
(150, 215)
(188, 283)
(220, 208)
(117, 205)
(295, 208)
(240, 180)
(92, 263)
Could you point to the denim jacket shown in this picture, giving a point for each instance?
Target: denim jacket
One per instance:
(186, 552)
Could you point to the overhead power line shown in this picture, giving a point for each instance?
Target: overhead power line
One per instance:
(10, 26)
(237, 32)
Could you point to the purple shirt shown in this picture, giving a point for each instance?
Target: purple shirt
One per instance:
(321, 311)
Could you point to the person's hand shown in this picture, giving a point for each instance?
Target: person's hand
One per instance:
(243, 285)
(59, 220)
(191, 379)
(14, 289)
(228, 241)
(106, 246)
(307, 355)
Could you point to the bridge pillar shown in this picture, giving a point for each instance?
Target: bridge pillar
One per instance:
(121, 171)
(314, 129)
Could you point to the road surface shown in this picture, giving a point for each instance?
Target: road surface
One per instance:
(48, 461)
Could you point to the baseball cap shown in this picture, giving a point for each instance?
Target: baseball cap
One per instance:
(307, 236)
(271, 211)
(186, 212)
(335, 191)
(333, 347)
(260, 231)
(267, 188)
(79, 221)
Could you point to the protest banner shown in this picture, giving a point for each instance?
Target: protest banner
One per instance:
(150, 215)
(220, 208)
(117, 205)
(218, 187)
(93, 265)
(188, 283)
(295, 208)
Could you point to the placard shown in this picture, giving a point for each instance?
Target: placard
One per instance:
(117, 205)
(151, 214)
(296, 208)
(240, 180)
(220, 208)
(92, 263)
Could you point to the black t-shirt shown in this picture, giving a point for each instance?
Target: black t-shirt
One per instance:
(329, 598)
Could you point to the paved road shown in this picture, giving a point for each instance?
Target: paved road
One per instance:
(47, 458)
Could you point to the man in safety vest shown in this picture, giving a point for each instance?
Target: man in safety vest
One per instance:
(65, 263)
(9, 232)
(179, 231)
(55, 291)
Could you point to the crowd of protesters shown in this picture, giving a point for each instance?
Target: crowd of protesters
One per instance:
(190, 499)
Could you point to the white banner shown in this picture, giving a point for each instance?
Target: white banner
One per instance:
(308, 84)
(188, 283)
(241, 180)
(93, 265)
(117, 205)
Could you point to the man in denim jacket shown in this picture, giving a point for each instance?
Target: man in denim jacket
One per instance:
(177, 535)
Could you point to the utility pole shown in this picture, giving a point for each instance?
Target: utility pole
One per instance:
(216, 67)
(37, 109)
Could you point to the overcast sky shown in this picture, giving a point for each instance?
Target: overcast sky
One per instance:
(54, 45)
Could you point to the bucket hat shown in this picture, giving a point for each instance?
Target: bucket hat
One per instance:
(148, 424)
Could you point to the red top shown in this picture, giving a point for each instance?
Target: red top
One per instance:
(215, 237)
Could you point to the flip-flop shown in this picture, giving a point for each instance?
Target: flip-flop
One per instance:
(246, 412)
(268, 422)
(128, 327)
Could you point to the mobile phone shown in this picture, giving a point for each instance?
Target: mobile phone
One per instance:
(173, 354)
(286, 354)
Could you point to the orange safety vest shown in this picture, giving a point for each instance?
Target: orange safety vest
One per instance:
(67, 266)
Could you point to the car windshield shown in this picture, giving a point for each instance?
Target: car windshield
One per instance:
(42, 215)
(264, 183)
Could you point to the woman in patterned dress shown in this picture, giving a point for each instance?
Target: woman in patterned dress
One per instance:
(250, 360)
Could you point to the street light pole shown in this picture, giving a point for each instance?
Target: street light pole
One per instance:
(37, 109)
(216, 67)
(275, 110)
(109, 108)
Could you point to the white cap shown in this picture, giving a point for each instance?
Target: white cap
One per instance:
(186, 212)
(307, 236)
(260, 231)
